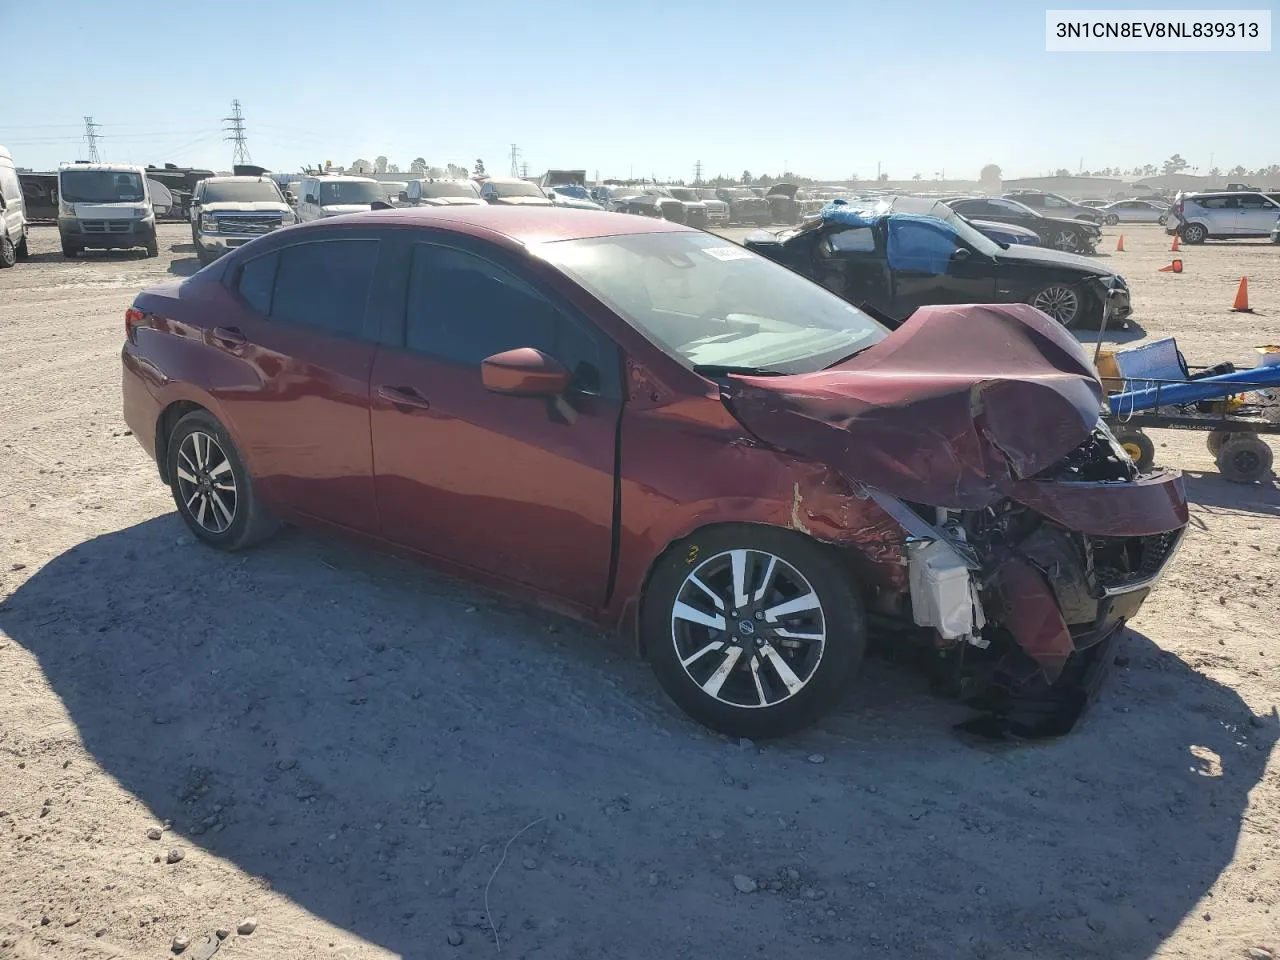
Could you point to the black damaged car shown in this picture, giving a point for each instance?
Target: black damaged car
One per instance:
(1061, 233)
(894, 254)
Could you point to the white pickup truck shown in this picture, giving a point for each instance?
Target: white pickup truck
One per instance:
(228, 212)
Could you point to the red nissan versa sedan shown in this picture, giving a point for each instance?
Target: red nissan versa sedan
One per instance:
(658, 430)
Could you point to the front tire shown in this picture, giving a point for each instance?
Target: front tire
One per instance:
(212, 487)
(753, 631)
(1194, 233)
(8, 252)
(1068, 241)
(1061, 302)
(153, 248)
(21, 249)
(1112, 220)
(70, 250)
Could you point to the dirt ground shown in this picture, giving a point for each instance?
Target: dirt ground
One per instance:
(371, 760)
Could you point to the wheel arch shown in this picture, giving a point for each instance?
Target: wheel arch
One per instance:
(165, 423)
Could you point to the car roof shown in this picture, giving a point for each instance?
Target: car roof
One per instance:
(107, 167)
(522, 224)
(262, 179)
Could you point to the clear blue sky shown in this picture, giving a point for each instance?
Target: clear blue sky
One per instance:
(828, 87)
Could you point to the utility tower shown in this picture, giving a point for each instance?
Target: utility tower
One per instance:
(697, 172)
(91, 137)
(236, 134)
(515, 160)
(524, 169)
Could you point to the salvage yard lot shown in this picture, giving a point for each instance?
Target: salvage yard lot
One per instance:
(342, 745)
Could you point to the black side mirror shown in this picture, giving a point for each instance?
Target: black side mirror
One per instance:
(961, 254)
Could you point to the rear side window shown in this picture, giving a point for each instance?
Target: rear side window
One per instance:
(257, 281)
(325, 285)
(1211, 203)
(853, 240)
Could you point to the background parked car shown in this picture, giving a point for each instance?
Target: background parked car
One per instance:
(899, 254)
(13, 213)
(334, 196)
(513, 192)
(228, 212)
(105, 206)
(1006, 233)
(1053, 205)
(40, 196)
(1221, 215)
(571, 195)
(1069, 236)
(786, 202)
(745, 206)
(1133, 211)
(717, 209)
(428, 192)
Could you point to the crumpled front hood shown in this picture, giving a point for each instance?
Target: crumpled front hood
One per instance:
(955, 408)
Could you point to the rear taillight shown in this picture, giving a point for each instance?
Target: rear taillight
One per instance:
(132, 317)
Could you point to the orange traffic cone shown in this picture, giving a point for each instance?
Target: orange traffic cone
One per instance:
(1174, 267)
(1176, 245)
(1120, 244)
(1241, 304)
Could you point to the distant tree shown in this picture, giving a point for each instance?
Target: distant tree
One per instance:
(884, 177)
(916, 176)
(418, 167)
(764, 180)
(456, 172)
(1175, 164)
(1062, 172)
(393, 168)
(746, 176)
(1215, 172)
(478, 170)
(1237, 171)
(1271, 171)
(380, 165)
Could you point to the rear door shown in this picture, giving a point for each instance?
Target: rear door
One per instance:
(306, 331)
(850, 262)
(520, 488)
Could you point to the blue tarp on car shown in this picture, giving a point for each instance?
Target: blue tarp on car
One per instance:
(916, 243)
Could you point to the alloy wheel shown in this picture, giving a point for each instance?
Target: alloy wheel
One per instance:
(1061, 303)
(207, 482)
(748, 628)
(1067, 241)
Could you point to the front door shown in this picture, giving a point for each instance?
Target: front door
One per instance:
(1256, 215)
(301, 409)
(930, 265)
(518, 487)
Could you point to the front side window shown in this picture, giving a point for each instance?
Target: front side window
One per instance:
(1050, 200)
(324, 285)
(463, 308)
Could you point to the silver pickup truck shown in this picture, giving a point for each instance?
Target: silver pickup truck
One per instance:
(228, 212)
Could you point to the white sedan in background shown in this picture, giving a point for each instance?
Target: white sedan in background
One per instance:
(1133, 211)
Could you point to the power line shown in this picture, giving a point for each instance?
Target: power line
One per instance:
(235, 127)
(697, 172)
(91, 137)
(515, 160)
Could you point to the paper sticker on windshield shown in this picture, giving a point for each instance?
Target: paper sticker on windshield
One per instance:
(728, 253)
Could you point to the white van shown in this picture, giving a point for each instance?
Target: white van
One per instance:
(106, 206)
(13, 214)
(334, 196)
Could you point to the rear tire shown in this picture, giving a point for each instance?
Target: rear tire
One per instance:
(8, 252)
(1245, 458)
(1193, 233)
(22, 249)
(70, 250)
(1215, 441)
(153, 248)
(212, 487)
(768, 671)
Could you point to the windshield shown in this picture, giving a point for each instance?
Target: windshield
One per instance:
(711, 303)
(349, 191)
(571, 190)
(619, 192)
(101, 186)
(521, 189)
(247, 192)
(966, 231)
(457, 188)
(737, 193)
(683, 193)
(706, 193)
